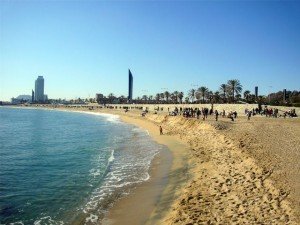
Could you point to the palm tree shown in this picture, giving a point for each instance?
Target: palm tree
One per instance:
(192, 94)
(180, 96)
(198, 96)
(186, 100)
(162, 96)
(238, 97)
(203, 92)
(210, 96)
(157, 97)
(175, 96)
(217, 97)
(150, 97)
(111, 97)
(235, 87)
(223, 89)
(122, 99)
(247, 95)
(144, 97)
(167, 95)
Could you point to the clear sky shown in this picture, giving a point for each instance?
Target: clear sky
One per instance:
(86, 47)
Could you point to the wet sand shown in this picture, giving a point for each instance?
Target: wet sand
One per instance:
(169, 173)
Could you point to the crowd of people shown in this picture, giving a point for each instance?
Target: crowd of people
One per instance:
(202, 113)
(205, 112)
(270, 112)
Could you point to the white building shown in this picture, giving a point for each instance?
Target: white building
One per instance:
(39, 89)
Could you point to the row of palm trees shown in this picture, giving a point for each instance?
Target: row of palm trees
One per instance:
(229, 92)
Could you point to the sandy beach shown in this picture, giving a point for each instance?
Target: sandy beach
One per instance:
(222, 172)
(246, 173)
(242, 172)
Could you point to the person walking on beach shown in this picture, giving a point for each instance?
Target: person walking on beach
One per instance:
(249, 114)
(217, 115)
(160, 130)
(198, 113)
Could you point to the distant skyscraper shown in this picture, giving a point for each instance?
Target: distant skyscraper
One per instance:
(130, 80)
(39, 89)
(256, 92)
(32, 96)
(284, 95)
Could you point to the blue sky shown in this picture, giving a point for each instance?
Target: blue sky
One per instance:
(82, 48)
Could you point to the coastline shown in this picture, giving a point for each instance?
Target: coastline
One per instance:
(169, 174)
(246, 172)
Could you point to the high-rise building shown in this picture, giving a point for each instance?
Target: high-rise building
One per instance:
(256, 91)
(32, 96)
(39, 89)
(284, 95)
(130, 80)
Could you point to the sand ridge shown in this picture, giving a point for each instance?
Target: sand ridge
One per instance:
(228, 187)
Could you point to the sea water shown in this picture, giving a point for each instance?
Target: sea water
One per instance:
(61, 167)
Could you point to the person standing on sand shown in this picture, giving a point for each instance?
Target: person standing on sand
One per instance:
(217, 115)
(160, 130)
(198, 113)
(249, 114)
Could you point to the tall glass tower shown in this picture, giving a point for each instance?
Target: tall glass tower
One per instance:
(39, 89)
(130, 79)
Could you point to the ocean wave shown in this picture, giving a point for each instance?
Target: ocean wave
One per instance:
(111, 158)
(47, 220)
(140, 130)
(109, 117)
(100, 160)
(16, 223)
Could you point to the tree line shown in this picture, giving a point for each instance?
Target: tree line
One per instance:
(230, 92)
(227, 93)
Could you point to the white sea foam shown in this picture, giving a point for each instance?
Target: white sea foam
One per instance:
(92, 218)
(137, 129)
(16, 223)
(109, 117)
(47, 220)
(95, 172)
(128, 164)
(111, 158)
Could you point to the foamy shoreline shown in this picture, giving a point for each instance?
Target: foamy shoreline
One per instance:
(150, 192)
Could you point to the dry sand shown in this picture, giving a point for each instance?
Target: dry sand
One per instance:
(244, 172)
(241, 172)
(248, 172)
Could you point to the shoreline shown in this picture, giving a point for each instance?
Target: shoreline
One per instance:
(166, 182)
(242, 172)
(167, 185)
(168, 175)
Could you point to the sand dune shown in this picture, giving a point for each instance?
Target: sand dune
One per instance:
(245, 172)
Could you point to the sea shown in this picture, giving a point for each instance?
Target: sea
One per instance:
(61, 167)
